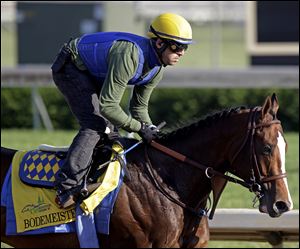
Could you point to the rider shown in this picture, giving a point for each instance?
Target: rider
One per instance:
(97, 68)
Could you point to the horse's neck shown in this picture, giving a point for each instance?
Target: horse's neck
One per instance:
(189, 183)
(214, 145)
(210, 146)
(206, 146)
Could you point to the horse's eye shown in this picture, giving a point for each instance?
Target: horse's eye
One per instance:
(267, 150)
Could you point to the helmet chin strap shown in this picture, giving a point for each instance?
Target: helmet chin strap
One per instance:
(159, 51)
(162, 48)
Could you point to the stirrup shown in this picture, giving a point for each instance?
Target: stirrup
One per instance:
(84, 192)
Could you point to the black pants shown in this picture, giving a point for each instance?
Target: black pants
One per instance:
(81, 91)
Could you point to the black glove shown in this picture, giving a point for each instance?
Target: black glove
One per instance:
(113, 135)
(148, 132)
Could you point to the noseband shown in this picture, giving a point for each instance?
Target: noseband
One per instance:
(253, 184)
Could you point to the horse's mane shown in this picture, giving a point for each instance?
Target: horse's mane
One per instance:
(182, 129)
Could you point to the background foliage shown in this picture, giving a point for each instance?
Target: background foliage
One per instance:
(171, 105)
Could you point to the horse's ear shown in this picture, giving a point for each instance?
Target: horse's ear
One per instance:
(270, 106)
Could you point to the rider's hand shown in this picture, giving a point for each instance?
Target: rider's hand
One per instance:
(148, 132)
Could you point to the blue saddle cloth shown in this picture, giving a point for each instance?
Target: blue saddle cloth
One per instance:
(99, 220)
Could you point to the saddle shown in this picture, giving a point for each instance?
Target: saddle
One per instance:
(40, 167)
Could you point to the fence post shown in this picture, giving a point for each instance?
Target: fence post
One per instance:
(38, 107)
(275, 239)
(36, 121)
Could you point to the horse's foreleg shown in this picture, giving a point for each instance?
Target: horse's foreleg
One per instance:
(199, 237)
(203, 233)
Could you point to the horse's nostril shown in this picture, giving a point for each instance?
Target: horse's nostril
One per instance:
(281, 206)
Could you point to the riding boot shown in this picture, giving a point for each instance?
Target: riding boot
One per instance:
(76, 165)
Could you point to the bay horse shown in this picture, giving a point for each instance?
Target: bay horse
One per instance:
(172, 178)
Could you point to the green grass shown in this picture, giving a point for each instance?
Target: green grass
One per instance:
(234, 196)
(3, 245)
(23, 139)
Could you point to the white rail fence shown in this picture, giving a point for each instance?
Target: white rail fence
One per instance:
(251, 225)
(252, 77)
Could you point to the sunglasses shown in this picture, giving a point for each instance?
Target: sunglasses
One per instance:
(177, 47)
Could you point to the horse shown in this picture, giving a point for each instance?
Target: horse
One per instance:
(165, 204)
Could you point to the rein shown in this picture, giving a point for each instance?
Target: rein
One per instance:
(209, 171)
(253, 186)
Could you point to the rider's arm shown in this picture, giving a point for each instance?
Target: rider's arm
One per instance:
(122, 65)
(140, 99)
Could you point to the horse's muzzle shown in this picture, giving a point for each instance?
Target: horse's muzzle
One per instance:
(277, 209)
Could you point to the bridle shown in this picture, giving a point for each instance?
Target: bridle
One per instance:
(254, 185)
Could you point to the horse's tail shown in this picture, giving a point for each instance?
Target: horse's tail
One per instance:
(7, 151)
(6, 159)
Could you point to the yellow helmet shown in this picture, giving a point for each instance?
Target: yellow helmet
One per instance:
(172, 27)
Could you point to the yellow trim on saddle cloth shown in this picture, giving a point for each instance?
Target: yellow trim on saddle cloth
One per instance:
(35, 207)
(109, 183)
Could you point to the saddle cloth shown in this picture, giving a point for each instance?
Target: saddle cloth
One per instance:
(34, 208)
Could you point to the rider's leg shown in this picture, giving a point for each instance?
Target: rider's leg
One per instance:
(82, 94)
